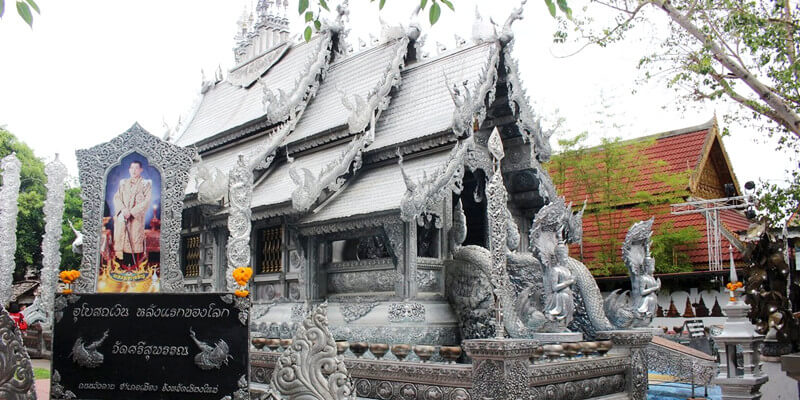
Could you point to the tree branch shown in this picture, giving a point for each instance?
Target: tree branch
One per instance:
(780, 111)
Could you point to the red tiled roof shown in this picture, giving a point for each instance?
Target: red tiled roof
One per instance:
(671, 153)
(698, 253)
(681, 152)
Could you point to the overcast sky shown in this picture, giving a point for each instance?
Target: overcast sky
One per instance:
(89, 69)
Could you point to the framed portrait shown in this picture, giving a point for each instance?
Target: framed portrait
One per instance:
(133, 189)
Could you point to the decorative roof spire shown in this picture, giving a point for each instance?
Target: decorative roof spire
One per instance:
(270, 28)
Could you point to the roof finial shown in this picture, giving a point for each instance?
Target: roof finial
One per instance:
(507, 34)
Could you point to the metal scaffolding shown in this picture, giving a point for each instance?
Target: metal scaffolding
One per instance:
(710, 210)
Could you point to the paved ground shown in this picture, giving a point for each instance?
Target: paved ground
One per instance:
(42, 385)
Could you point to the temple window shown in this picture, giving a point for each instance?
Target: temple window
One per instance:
(270, 250)
(473, 199)
(361, 248)
(191, 256)
(428, 235)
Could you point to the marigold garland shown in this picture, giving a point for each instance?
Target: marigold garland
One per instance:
(241, 275)
(68, 277)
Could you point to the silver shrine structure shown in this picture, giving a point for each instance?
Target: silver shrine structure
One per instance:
(406, 190)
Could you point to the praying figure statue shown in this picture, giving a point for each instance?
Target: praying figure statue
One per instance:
(548, 246)
(638, 309)
(560, 305)
(647, 302)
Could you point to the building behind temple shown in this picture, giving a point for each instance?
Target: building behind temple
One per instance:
(360, 159)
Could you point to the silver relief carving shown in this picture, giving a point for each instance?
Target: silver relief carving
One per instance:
(497, 212)
(427, 280)
(88, 355)
(8, 223)
(16, 372)
(240, 194)
(57, 390)
(61, 302)
(210, 357)
(242, 304)
(243, 393)
(354, 311)
(174, 163)
(406, 312)
(51, 253)
(310, 368)
(365, 281)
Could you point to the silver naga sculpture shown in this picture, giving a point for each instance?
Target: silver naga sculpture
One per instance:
(51, 254)
(8, 223)
(638, 309)
(16, 372)
(549, 247)
(310, 368)
(240, 195)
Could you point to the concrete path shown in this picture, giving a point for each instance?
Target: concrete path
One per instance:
(42, 385)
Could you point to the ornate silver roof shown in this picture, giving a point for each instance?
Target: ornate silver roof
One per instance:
(424, 105)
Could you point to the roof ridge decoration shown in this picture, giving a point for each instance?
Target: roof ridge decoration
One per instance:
(363, 117)
(430, 191)
(281, 107)
(331, 177)
(471, 105)
(529, 125)
(469, 114)
(378, 98)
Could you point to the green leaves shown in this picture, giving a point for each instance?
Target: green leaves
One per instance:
(24, 11)
(422, 4)
(324, 4)
(434, 12)
(448, 4)
(309, 16)
(307, 33)
(33, 5)
(551, 7)
(562, 5)
(302, 6)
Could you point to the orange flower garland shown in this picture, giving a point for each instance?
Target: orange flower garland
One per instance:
(241, 275)
(732, 286)
(68, 277)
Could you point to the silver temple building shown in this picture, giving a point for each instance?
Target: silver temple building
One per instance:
(364, 177)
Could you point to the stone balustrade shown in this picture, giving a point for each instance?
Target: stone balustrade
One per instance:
(484, 369)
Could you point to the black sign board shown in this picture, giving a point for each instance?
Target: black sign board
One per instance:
(150, 346)
(695, 328)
